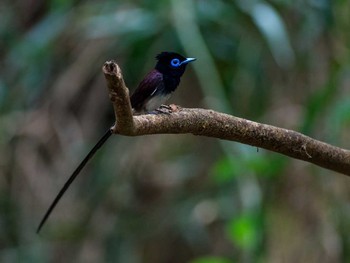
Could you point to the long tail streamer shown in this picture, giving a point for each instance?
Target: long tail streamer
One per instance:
(73, 176)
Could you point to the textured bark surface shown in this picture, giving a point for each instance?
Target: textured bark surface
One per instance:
(222, 126)
(119, 95)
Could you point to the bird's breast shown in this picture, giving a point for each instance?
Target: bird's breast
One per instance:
(170, 83)
(155, 101)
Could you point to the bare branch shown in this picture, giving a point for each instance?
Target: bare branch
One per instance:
(119, 95)
(222, 126)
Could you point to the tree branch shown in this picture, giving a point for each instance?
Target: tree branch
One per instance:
(222, 126)
(119, 95)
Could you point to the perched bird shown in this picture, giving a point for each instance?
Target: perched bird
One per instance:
(154, 90)
(158, 85)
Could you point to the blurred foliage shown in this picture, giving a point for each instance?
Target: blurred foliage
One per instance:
(172, 198)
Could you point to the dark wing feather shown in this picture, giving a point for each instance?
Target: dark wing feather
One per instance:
(146, 89)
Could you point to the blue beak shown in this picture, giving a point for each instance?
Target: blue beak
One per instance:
(188, 60)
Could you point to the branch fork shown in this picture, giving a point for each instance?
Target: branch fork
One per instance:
(219, 125)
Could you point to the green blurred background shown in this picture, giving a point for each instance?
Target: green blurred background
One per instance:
(172, 198)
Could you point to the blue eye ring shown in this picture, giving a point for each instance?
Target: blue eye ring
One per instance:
(175, 62)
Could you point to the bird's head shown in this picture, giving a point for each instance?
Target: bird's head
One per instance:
(172, 63)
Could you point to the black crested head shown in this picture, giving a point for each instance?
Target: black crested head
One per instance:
(171, 63)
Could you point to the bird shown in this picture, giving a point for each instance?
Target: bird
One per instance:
(151, 93)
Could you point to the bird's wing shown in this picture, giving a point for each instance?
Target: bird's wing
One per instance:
(146, 89)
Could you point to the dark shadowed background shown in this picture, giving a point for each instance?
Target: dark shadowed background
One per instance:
(172, 198)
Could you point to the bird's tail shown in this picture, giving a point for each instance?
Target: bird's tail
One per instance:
(74, 175)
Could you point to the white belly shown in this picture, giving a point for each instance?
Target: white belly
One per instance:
(154, 102)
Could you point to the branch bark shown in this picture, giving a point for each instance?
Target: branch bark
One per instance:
(119, 95)
(222, 126)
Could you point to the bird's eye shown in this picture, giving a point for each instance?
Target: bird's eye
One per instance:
(175, 62)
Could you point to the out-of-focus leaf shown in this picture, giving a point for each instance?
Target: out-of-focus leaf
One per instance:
(210, 9)
(242, 231)
(210, 259)
(37, 40)
(272, 27)
(228, 168)
(133, 20)
(225, 169)
(319, 101)
(31, 59)
(265, 166)
(339, 117)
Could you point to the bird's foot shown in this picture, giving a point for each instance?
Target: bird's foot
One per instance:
(164, 109)
(164, 106)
